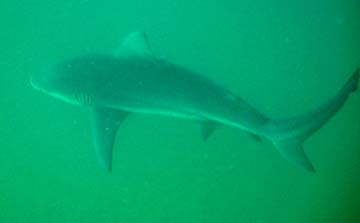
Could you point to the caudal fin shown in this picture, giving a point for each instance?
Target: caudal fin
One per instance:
(288, 135)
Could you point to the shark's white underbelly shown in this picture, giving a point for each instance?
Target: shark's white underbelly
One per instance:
(158, 111)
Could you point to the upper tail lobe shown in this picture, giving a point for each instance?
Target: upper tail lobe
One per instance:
(288, 135)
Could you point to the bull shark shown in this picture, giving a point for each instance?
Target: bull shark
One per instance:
(134, 80)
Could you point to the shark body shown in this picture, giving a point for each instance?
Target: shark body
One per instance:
(134, 80)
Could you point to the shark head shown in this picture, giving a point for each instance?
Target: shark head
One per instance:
(65, 81)
(82, 79)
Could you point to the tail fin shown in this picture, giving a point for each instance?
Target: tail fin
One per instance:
(290, 134)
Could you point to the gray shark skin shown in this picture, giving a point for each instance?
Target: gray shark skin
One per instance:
(134, 80)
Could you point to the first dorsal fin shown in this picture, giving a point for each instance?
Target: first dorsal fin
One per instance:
(135, 44)
(105, 123)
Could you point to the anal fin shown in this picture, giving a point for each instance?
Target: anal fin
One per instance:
(207, 129)
(293, 151)
(257, 138)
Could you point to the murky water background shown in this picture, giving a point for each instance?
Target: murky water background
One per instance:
(283, 57)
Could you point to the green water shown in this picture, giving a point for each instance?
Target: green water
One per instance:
(283, 57)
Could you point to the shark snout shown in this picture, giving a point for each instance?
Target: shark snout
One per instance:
(32, 83)
(37, 82)
(43, 79)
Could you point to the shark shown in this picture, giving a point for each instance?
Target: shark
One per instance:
(134, 80)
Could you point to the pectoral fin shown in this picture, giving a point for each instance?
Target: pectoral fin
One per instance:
(105, 123)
